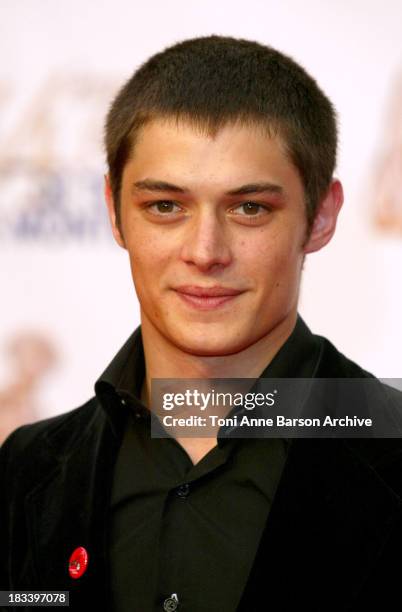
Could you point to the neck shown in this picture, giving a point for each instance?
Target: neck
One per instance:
(165, 360)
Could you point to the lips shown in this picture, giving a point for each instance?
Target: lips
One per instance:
(205, 292)
(206, 298)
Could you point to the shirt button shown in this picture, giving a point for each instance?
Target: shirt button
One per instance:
(171, 603)
(183, 490)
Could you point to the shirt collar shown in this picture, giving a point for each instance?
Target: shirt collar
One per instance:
(122, 380)
(298, 357)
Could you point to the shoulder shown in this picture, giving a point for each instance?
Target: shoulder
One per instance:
(60, 432)
(334, 364)
(382, 453)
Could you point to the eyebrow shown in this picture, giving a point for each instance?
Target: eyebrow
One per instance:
(158, 186)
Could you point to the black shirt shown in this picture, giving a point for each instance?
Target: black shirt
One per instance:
(184, 536)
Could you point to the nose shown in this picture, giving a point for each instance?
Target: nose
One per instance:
(206, 243)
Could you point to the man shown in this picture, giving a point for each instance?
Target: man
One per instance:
(221, 155)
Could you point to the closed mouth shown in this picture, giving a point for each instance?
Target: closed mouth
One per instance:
(208, 292)
(209, 298)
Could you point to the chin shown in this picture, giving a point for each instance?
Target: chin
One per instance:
(216, 347)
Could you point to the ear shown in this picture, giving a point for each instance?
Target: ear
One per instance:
(118, 236)
(325, 220)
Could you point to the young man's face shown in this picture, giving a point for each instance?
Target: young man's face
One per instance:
(224, 215)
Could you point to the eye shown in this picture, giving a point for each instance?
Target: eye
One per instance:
(251, 209)
(163, 207)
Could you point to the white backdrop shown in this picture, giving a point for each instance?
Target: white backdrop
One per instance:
(67, 297)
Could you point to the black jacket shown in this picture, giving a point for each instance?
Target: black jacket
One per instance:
(333, 539)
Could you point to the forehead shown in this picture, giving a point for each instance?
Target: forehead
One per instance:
(236, 153)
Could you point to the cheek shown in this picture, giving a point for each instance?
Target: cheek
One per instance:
(277, 266)
(149, 258)
(277, 252)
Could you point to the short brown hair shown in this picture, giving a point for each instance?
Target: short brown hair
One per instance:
(215, 80)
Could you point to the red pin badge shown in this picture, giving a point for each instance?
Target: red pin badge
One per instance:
(78, 562)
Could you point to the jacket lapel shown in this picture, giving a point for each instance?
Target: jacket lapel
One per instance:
(336, 506)
(79, 479)
(331, 516)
